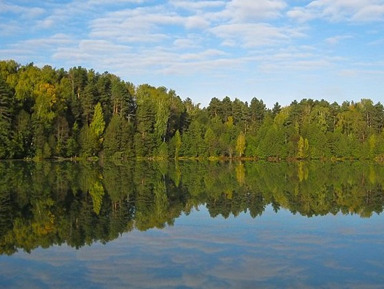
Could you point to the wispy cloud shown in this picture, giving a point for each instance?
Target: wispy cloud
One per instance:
(249, 10)
(337, 39)
(340, 10)
(254, 34)
(21, 11)
(146, 40)
(196, 6)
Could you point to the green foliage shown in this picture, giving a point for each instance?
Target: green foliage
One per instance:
(50, 113)
(113, 133)
(6, 106)
(210, 142)
(240, 144)
(89, 142)
(98, 125)
(177, 143)
(162, 152)
(303, 148)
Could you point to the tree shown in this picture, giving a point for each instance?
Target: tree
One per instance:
(193, 144)
(177, 143)
(29, 78)
(276, 109)
(226, 106)
(162, 116)
(127, 138)
(72, 147)
(89, 142)
(88, 100)
(47, 112)
(113, 134)
(91, 137)
(210, 142)
(273, 144)
(98, 123)
(23, 135)
(303, 148)
(214, 108)
(62, 135)
(5, 120)
(9, 70)
(258, 110)
(122, 101)
(240, 144)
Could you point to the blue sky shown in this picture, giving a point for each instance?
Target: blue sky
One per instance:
(274, 50)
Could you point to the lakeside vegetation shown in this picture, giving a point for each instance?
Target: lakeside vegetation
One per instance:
(52, 113)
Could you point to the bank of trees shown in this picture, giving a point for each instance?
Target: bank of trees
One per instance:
(50, 113)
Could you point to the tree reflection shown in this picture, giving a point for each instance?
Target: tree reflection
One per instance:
(48, 203)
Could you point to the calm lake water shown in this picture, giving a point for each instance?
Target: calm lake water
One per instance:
(191, 225)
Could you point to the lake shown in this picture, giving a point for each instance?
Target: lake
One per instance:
(191, 224)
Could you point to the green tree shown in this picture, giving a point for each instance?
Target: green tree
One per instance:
(303, 148)
(113, 142)
(122, 100)
(258, 111)
(23, 135)
(240, 144)
(89, 142)
(5, 120)
(98, 123)
(210, 142)
(61, 135)
(177, 143)
(72, 146)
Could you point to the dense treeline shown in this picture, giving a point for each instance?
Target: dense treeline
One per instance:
(49, 113)
(46, 203)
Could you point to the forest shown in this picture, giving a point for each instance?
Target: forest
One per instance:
(49, 113)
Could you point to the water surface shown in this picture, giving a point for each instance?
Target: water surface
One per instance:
(191, 225)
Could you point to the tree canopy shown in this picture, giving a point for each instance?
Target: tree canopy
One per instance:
(53, 113)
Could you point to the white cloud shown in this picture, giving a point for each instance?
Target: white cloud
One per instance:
(254, 34)
(250, 10)
(10, 29)
(198, 22)
(24, 12)
(361, 73)
(340, 10)
(133, 25)
(196, 5)
(301, 14)
(29, 50)
(213, 67)
(191, 41)
(337, 39)
(370, 13)
(109, 2)
(295, 59)
(203, 55)
(56, 40)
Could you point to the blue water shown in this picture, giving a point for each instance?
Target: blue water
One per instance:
(275, 250)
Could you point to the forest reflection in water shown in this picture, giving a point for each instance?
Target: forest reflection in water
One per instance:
(50, 203)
